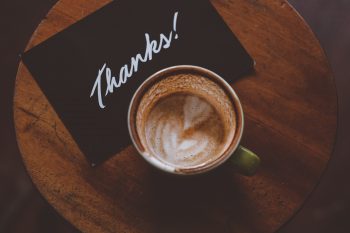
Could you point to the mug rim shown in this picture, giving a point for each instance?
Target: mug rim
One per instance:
(197, 169)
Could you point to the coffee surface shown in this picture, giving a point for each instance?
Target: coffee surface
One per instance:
(185, 120)
(184, 129)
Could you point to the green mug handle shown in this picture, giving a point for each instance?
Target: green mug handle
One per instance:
(245, 161)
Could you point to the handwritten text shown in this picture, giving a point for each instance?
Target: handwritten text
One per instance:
(152, 47)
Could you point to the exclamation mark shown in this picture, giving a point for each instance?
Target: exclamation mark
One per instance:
(175, 24)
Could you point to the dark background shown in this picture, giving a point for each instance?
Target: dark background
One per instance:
(22, 209)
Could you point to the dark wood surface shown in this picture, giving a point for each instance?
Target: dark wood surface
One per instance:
(290, 106)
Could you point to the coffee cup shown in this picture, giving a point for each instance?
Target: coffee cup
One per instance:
(188, 120)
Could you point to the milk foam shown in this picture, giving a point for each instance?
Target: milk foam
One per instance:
(184, 129)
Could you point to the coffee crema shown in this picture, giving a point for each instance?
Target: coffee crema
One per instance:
(185, 120)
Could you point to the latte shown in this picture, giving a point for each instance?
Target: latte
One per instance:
(185, 120)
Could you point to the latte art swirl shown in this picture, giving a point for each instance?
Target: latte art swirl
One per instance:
(184, 129)
(185, 120)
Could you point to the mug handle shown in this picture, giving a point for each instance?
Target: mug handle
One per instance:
(245, 161)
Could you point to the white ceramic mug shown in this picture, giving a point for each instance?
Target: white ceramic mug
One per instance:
(245, 161)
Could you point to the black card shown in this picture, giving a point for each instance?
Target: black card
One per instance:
(121, 45)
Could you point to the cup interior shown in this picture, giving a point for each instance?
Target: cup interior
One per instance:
(189, 80)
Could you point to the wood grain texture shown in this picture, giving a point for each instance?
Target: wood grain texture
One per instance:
(291, 117)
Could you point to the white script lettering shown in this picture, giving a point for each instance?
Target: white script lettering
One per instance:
(126, 71)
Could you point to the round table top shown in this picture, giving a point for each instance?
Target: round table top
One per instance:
(290, 108)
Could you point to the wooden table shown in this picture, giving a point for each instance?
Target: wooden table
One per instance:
(290, 107)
